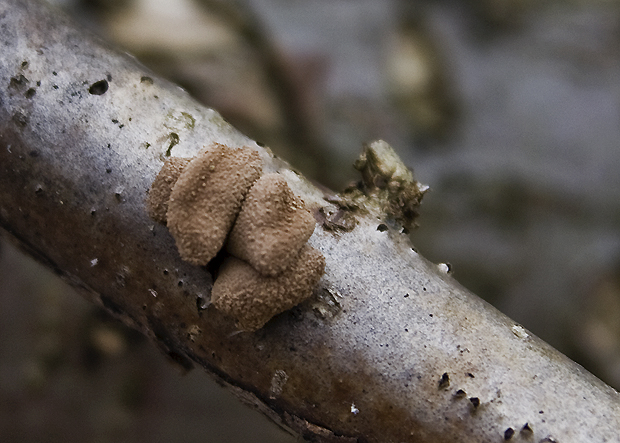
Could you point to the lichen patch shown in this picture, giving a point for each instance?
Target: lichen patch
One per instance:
(387, 185)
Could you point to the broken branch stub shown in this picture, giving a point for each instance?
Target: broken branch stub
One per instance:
(388, 185)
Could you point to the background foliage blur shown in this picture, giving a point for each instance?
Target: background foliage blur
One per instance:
(508, 109)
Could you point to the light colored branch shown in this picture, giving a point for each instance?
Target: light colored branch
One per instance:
(391, 348)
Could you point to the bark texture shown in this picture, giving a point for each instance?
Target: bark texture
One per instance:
(390, 348)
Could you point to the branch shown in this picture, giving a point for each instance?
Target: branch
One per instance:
(389, 349)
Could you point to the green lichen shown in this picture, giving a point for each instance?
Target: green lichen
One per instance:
(174, 140)
(180, 120)
(190, 121)
(219, 122)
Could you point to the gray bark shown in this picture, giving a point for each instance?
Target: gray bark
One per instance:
(390, 348)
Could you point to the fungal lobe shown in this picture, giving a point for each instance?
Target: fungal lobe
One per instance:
(252, 299)
(157, 202)
(206, 198)
(272, 227)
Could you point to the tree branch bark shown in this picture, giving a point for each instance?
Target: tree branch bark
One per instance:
(390, 348)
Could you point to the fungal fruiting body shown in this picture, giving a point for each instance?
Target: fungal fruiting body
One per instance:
(220, 195)
(252, 299)
(159, 194)
(272, 226)
(206, 198)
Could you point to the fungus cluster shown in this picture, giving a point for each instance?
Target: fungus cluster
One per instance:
(220, 199)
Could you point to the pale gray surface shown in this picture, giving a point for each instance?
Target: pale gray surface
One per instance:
(451, 335)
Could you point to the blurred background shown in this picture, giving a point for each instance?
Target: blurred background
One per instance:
(508, 109)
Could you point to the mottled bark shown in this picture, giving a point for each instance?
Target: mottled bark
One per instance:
(390, 348)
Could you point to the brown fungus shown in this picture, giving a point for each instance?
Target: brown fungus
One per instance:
(252, 299)
(272, 268)
(157, 203)
(272, 227)
(206, 198)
